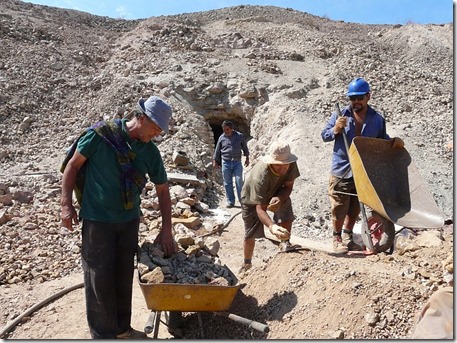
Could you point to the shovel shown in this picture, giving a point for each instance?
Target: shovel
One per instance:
(291, 248)
(366, 235)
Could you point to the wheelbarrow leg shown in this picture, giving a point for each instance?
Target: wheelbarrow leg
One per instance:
(365, 229)
(156, 325)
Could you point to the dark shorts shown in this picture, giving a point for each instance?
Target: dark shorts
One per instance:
(343, 204)
(253, 227)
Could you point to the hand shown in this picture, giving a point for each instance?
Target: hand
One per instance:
(166, 241)
(215, 164)
(274, 205)
(340, 125)
(68, 217)
(280, 232)
(246, 163)
(397, 143)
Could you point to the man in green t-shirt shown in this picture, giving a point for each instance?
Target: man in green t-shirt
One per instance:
(114, 157)
(268, 187)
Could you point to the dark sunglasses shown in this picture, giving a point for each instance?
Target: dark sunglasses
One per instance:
(357, 97)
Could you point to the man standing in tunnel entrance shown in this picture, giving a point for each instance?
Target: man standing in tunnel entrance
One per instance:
(229, 148)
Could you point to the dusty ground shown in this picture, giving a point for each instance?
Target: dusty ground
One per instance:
(64, 318)
(299, 295)
(276, 73)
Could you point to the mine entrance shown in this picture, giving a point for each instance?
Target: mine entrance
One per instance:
(239, 124)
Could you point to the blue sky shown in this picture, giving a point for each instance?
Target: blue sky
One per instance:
(356, 11)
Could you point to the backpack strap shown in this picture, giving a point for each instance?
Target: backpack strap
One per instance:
(111, 133)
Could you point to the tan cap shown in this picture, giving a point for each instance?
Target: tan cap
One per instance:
(279, 153)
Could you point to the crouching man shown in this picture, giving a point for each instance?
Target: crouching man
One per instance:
(268, 187)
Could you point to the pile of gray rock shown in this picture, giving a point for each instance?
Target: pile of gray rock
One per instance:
(195, 263)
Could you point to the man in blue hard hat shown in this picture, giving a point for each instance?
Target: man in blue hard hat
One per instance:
(358, 119)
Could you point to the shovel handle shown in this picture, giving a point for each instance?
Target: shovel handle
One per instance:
(340, 114)
(365, 229)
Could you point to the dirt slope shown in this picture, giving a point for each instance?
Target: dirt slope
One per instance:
(276, 73)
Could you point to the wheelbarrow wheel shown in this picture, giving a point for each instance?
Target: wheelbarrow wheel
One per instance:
(382, 232)
(174, 322)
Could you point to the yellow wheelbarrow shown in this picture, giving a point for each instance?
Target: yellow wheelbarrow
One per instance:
(387, 181)
(174, 297)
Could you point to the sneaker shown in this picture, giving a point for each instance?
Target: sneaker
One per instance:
(132, 334)
(347, 241)
(338, 247)
(284, 245)
(245, 267)
(352, 246)
(346, 237)
(230, 205)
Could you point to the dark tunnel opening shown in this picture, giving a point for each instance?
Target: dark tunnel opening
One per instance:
(239, 124)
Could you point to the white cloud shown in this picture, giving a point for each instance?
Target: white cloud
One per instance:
(123, 13)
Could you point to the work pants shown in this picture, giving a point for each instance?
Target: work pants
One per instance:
(108, 252)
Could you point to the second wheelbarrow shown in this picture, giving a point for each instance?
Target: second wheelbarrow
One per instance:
(387, 181)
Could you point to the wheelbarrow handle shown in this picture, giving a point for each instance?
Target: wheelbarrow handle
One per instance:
(149, 326)
(153, 323)
(251, 323)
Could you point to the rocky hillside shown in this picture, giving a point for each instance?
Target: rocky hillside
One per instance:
(275, 72)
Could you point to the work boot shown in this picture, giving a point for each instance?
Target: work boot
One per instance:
(338, 247)
(132, 334)
(346, 238)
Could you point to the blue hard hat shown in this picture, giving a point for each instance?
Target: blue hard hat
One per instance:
(358, 86)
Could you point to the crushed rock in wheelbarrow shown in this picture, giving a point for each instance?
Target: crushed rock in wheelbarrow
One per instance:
(195, 263)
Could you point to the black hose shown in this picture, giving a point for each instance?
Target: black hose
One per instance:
(35, 307)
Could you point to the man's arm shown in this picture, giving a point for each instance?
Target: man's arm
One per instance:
(282, 194)
(277, 230)
(245, 149)
(165, 237)
(217, 158)
(328, 133)
(285, 191)
(68, 213)
(263, 215)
